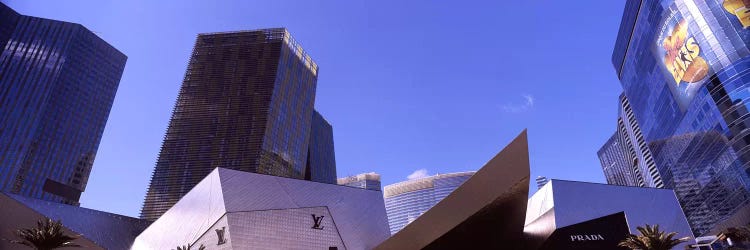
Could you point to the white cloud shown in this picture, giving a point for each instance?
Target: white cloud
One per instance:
(421, 173)
(517, 108)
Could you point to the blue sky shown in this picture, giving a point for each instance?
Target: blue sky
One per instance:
(438, 86)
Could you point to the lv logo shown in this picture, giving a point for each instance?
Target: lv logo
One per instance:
(220, 234)
(317, 220)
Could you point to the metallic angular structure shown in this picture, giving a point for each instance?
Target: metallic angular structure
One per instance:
(486, 212)
(97, 230)
(562, 204)
(232, 209)
(491, 211)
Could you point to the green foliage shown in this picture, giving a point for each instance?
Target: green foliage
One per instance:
(651, 238)
(47, 235)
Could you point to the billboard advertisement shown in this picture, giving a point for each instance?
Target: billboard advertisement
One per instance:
(697, 38)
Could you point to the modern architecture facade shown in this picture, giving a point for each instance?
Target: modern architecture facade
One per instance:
(626, 158)
(683, 66)
(232, 209)
(563, 204)
(406, 201)
(57, 84)
(246, 103)
(369, 181)
(321, 158)
(95, 229)
(492, 210)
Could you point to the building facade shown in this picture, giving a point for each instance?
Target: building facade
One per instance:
(541, 181)
(321, 158)
(369, 181)
(406, 201)
(94, 229)
(683, 68)
(232, 209)
(557, 215)
(57, 84)
(246, 103)
(626, 157)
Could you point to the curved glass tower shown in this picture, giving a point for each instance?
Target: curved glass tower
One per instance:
(405, 201)
(684, 67)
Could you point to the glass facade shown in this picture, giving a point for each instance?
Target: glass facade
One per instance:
(406, 201)
(57, 84)
(683, 66)
(321, 158)
(246, 103)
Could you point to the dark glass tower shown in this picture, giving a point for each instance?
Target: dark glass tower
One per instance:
(57, 84)
(685, 69)
(321, 161)
(246, 103)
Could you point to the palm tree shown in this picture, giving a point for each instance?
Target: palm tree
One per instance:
(202, 247)
(652, 238)
(47, 235)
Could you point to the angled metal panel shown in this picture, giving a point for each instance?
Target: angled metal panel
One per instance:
(487, 211)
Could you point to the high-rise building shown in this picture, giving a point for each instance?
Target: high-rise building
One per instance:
(616, 167)
(369, 181)
(57, 84)
(321, 159)
(683, 66)
(406, 201)
(626, 158)
(246, 103)
(541, 181)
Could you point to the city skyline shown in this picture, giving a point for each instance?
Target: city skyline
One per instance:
(403, 135)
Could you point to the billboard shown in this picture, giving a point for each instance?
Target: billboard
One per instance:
(697, 38)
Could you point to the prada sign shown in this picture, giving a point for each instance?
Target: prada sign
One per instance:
(586, 237)
(597, 234)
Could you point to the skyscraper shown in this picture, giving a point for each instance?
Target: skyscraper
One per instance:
(406, 201)
(683, 66)
(321, 159)
(626, 158)
(369, 181)
(57, 84)
(541, 181)
(246, 103)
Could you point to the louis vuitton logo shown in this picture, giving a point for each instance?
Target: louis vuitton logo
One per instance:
(317, 220)
(220, 235)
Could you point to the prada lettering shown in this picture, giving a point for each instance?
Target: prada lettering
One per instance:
(317, 220)
(586, 237)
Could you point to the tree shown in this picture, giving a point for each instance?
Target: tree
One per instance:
(47, 235)
(202, 247)
(652, 238)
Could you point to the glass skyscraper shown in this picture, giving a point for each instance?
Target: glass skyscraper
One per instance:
(405, 201)
(369, 181)
(321, 158)
(246, 103)
(626, 158)
(685, 71)
(57, 84)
